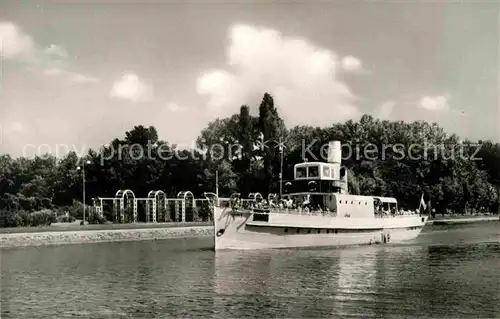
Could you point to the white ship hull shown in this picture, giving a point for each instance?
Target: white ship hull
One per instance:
(239, 230)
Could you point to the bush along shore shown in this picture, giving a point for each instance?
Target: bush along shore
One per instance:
(47, 237)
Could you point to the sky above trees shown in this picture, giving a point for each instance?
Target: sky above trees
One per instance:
(80, 74)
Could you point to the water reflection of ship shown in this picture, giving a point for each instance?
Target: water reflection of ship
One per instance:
(241, 283)
(357, 281)
(303, 283)
(237, 273)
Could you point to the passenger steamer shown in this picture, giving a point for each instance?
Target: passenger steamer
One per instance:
(316, 211)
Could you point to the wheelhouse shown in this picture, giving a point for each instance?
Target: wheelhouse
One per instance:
(316, 170)
(317, 177)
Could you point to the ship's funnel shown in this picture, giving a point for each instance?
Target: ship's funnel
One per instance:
(334, 152)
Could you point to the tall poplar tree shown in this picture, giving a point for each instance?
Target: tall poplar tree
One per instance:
(245, 133)
(271, 127)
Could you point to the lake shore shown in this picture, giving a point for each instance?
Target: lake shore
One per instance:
(76, 234)
(468, 219)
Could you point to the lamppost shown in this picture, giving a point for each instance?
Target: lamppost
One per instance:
(217, 183)
(82, 168)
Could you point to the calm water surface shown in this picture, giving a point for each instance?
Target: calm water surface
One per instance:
(445, 273)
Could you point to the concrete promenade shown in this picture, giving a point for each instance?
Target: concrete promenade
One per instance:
(76, 234)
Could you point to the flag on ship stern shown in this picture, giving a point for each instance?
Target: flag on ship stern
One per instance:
(422, 203)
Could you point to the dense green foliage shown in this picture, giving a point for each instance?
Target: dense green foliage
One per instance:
(454, 175)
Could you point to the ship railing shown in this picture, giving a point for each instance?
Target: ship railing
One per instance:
(398, 215)
(240, 203)
(250, 205)
(300, 211)
(292, 211)
(284, 211)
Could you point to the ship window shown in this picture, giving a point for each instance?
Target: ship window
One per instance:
(319, 231)
(326, 171)
(298, 230)
(300, 172)
(327, 231)
(286, 230)
(313, 171)
(308, 231)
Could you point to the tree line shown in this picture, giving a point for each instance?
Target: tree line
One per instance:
(384, 158)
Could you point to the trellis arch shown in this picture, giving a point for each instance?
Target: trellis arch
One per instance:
(122, 193)
(272, 198)
(257, 197)
(151, 208)
(234, 200)
(121, 197)
(161, 205)
(156, 206)
(235, 195)
(212, 197)
(212, 201)
(188, 205)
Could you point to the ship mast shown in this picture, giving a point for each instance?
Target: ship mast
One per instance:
(281, 166)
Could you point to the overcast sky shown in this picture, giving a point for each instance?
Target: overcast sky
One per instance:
(82, 73)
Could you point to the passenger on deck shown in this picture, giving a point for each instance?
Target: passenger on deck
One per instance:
(307, 200)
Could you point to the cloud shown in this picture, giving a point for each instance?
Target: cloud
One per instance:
(9, 129)
(301, 76)
(351, 64)
(14, 43)
(12, 127)
(82, 78)
(16, 127)
(384, 110)
(434, 103)
(53, 71)
(72, 77)
(55, 50)
(174, 107)
(130, 87)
